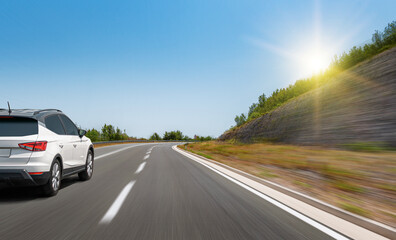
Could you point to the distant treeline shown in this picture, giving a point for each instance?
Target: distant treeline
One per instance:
(381, 41)
(111, 133)
(178, 135)
(108, 133)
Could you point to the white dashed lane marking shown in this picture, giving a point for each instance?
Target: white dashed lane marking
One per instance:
(115, 207)
(140, 168)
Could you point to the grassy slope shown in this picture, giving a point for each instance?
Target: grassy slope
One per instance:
(359, 182)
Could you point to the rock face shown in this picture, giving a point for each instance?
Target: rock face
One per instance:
(358, 105)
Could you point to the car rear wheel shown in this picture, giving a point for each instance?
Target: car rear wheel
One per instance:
(87, 173)
(51, 188)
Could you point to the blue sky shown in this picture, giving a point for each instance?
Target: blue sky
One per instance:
(151, 66)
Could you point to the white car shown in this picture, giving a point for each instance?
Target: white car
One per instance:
(40, 147)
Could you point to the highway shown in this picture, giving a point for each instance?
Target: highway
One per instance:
(147, 191)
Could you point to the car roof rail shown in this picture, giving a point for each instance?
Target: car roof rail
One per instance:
(46, 110)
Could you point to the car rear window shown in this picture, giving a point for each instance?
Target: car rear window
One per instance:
(17, 127)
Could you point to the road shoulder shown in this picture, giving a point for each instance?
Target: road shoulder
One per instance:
(347, 224)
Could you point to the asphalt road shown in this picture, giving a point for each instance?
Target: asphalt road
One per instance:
(165, 196)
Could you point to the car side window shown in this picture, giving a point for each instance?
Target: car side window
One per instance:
(71, 129)
(54, 124)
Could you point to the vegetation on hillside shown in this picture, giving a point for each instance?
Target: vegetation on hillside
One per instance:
(381, 41)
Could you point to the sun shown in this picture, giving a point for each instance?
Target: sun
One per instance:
(314, 61)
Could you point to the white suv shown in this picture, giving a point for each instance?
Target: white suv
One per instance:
(40, 147)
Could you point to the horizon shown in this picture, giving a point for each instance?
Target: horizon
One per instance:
(161, 67)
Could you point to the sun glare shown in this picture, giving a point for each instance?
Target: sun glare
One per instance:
(315, 61)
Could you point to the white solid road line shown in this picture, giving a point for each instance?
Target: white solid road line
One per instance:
(115, 207)
(140, 168)
(304, 218)
(147, 156)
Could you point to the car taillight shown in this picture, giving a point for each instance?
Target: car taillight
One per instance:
(34, 146)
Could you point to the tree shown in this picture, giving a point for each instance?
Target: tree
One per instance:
(377, 38)
(93, 134)
(252, 109)
(155, 137)
(389, 35)
(262, 99)
(125, 135)
(239, 120)
(173, 135)
(108, 133)
(118, 135)
(202, 138)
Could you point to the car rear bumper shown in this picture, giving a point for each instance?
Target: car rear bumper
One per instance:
(20, 177)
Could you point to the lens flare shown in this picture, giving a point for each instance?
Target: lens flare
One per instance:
(315, 61)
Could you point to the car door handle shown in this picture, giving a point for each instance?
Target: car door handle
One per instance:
(61, 145)
(74, 145)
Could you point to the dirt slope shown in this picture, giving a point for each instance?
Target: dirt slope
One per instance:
(359, 105)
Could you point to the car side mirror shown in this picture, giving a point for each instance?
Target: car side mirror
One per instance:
(81, 133)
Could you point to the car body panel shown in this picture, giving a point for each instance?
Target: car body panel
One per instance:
(15, 155)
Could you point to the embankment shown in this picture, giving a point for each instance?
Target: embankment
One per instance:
(359, 105)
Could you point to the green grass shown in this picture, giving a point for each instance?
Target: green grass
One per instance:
(367, 147)
(268, 174)
(392, 170)
(387, 187)
(302, 184)
(354, 209)
(202, 154)
(332, 172)
(390, 215)
(347, 187)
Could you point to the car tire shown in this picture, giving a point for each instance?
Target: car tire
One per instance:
(51, 188)
(87, 173)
